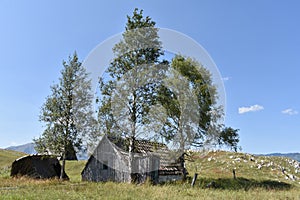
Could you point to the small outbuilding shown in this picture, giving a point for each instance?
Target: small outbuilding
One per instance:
(37, 166)
(152, 160)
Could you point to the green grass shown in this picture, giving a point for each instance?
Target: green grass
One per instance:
(74, 168)
(6, 158)
(251, 183)
(220, 164)
(54, 189)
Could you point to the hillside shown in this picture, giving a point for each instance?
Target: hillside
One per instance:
(220, 165)
(6, 158)
(211, 165)
(258, 177)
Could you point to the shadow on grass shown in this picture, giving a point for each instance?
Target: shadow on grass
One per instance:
(241, 183)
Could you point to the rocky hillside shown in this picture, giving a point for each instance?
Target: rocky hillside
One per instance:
(220, 164)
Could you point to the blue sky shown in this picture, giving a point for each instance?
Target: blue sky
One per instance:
(255, 45)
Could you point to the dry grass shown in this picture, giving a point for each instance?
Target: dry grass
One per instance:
(54, 189)
(214, 170)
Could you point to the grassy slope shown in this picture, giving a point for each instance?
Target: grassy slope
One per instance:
(251, 171)
(74, 168)
(6, 158)
(220, 165)
(210, 167)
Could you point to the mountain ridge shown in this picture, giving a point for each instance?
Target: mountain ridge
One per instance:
(29, 148)
(294, 156)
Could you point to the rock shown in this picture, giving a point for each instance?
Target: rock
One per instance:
(211, 185)
(292, 177)
(259, 166)
(270, 164)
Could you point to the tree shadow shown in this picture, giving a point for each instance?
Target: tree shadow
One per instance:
(241, 183)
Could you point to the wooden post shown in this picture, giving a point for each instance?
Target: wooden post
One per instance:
(233, 172)
(194, 180)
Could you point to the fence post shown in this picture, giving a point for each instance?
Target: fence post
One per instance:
(194, 180)
(233, 172)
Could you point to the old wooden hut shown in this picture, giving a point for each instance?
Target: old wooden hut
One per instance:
(152, 160)
(37, 166)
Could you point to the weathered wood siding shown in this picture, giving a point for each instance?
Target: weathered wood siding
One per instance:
(106, 164)
(147, 168)
(168, 178)
(110, 163)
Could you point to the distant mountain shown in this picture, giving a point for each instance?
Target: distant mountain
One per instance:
(29, 149)
(294, 156)
(25, 148)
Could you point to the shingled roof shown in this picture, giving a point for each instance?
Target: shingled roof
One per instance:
(170, 164)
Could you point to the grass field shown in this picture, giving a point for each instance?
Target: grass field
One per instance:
(251, 183)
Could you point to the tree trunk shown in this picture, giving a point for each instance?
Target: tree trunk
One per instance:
(182, 164)
(62, 170)
(131, 160)
(132, 140)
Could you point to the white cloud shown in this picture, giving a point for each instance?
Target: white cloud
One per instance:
(226, 78)
(289, 111)
(253, 108)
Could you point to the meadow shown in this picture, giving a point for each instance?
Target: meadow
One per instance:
(250, 183)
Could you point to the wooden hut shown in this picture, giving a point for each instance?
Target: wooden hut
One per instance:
(37, 166)
(152, 161)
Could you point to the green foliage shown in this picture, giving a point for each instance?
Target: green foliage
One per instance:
(130, 93)
(207, 129)
(124, 101)
(140, 45)
(200, 124)
(67, 112)
(229, 137)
